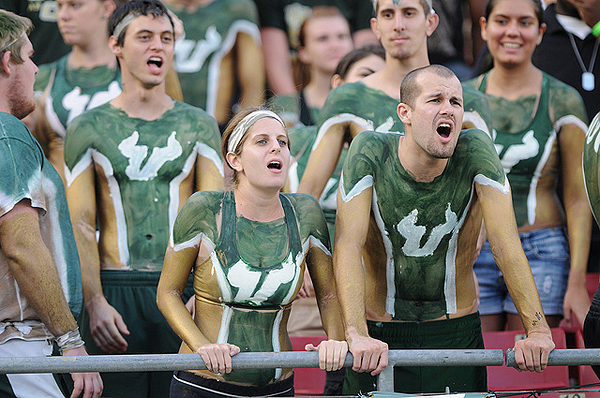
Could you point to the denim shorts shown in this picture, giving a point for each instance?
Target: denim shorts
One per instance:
(547, 250)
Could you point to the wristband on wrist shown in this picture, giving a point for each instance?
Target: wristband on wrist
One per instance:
(596, 29)
(69, 340)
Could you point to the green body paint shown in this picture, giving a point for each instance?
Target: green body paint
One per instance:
(144, 163)
(420, 222)
(210, 34)
(258, 268)
(75, 90)
(591, 166)
(525, 143)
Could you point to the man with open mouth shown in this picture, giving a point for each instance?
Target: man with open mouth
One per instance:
(410, 209)
(131, 164)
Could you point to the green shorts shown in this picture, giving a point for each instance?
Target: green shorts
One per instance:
(133, 294)
(457, 333)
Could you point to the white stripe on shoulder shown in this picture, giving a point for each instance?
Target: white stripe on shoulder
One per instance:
(364, 183)
(341, 118)
(314, 241)
(212, 155)
(483, 180)
(84, 163)
(195, 241)
(570, 119)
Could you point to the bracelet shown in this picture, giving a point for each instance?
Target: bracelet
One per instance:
(70, 340)
(596, 29)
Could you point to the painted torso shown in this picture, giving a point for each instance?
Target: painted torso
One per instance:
(302, 140)
(26, 174)
(143, 164)
(75, 90)
(528, 145)
(253, 271)
(420, 223)
(210, 34)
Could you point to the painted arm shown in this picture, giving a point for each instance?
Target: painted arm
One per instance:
(106, 324)
(251, 70)
(176, 270)
(332, 352)
(323, 159)
(32, 265)
(501, 227)
(351, 226)
(579, 221)
(277, 61)
(208, 176)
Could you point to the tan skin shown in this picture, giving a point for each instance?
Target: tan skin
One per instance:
(88, 195)
(408, 19)
(257, 198)
(244, 63)
(29, 259)
(514, 76)
(356, 236)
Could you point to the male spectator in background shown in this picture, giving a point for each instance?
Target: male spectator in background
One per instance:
(410, 209)
(403, 28)
(131, 164)
(40, 288)
(219, 59)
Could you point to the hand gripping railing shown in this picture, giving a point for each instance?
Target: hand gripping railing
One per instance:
(288, 359)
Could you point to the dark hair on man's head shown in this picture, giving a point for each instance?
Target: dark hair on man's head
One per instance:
(410, 89)
(537, 7)
(135, 8)
(356, 55)
(13, 30)
(426, 4)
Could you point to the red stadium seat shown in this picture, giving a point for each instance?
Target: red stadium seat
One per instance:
(502, 378)
(308, 381)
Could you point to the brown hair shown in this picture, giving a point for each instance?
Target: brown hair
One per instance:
(301, 71)
(233, 123)
(410, 90)
(12, 27)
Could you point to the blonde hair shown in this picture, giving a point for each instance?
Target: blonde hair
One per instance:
(13, 30)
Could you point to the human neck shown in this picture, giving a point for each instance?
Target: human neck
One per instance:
(390, 77)
(417, 163)
(317, 89)
(512, 83)
(257, 204)
(143, 103)
(90, 56)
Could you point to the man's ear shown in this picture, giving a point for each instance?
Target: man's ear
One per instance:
(6, 69)
(433, 20)
(114, 46)
(404, 112)
(375, 28)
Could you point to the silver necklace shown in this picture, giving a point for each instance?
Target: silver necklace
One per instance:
(588, 80)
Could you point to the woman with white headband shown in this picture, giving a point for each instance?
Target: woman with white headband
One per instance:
(248, 249)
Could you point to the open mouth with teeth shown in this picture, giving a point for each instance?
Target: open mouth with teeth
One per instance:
(274, 165)
(444, 130)
(155, 62)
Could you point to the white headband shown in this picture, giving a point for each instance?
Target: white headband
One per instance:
(124, 23)
(246, 123)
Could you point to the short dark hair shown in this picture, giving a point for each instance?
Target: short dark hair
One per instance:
(537, 6)
(136, 7)
(410, 90)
